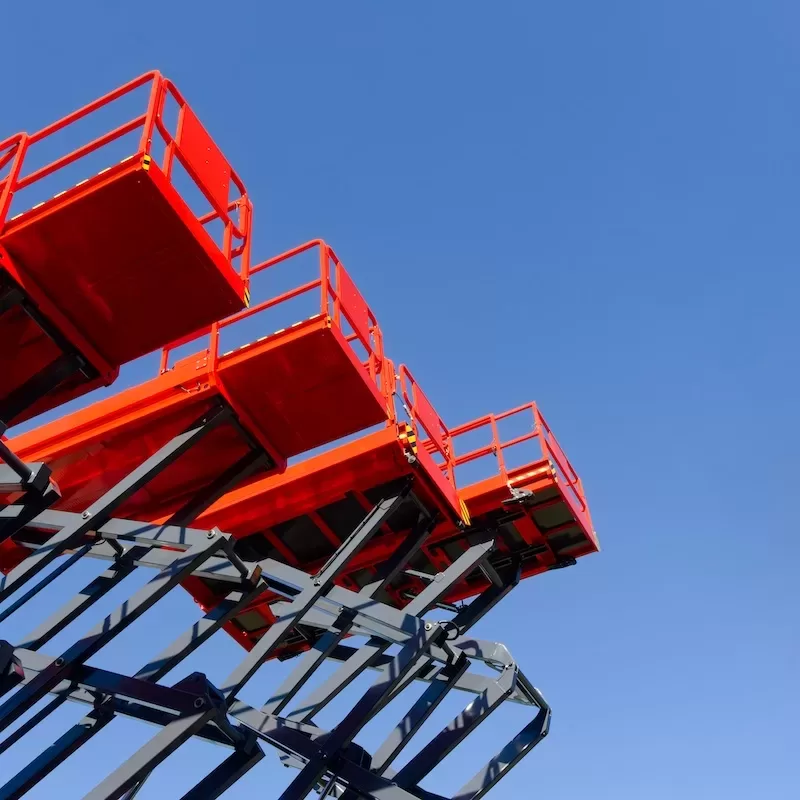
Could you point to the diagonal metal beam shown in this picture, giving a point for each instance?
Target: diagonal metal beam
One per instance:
(308, 596)
(422, 709)
(455, 733)
(498, 767)
(199, 633)
(375, 647)
(96, 589)
(157, 750)
(205, 498)
(470, 615)
(158, 705)
(373, 700)
(61, 749)
(324, 646)
(220, 779)
(46, 581)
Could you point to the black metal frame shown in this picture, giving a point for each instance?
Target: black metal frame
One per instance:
(327, 761)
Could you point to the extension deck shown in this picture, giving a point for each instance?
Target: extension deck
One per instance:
(119, 265)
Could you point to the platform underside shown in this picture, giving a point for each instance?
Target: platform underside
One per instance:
(537, 534)
(125, 263)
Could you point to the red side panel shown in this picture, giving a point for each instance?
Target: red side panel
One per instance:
(428, 418)
(204, 159)
(303, 388)
(354, 307)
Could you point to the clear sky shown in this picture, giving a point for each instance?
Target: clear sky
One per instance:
(594, 205)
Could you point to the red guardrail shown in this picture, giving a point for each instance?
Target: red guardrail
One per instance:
(339, 299)
(540, 434)
(191, 145)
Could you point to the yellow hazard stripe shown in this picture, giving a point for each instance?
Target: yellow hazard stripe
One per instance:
(409, 437)
(247, 297)
(465, 512)
(146, 162)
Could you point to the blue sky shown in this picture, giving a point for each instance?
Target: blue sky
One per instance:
(593, 205)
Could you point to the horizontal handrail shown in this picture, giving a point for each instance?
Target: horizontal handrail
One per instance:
(84, 111)
(85, 150)
(491, 449)
(271, 303)
(287, 254)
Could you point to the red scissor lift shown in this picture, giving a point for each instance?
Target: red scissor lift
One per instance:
(110, 269)
(364, 538)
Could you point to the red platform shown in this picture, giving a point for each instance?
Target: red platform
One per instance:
(301, 516)
(119, 264)
(293, 390)
(538, 506)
